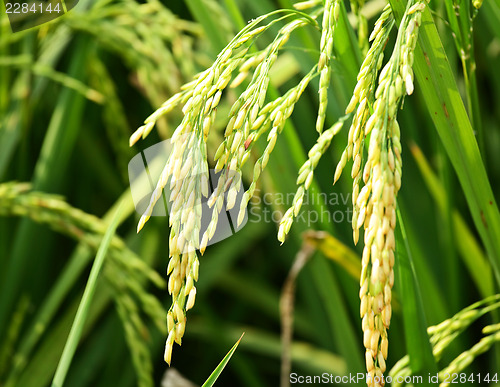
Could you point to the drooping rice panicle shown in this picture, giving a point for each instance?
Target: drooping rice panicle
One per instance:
(362, 100)
(377, 179)
(377, 199)
(232, 154)
(249, 118)
(330, 18)
(443, 334)
(187, 168)
(274, 115)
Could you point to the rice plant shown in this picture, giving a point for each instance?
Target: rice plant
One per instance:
(376, 272)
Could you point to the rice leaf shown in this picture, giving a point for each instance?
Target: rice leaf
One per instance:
(215, 375)
(83, 308)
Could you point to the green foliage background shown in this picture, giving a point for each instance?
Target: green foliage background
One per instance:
(71, 93)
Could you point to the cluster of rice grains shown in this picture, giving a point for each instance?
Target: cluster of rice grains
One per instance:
(377, 177)
(330, 18)
(442, 336)
(187, 168)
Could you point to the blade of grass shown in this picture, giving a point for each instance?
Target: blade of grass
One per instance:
(214, 376)
(447, 234)
(83, 309)
(467, 245)
(434, 297)
(417, 339)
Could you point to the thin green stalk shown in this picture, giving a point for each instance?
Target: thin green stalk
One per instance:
(466, 244)
(417, 339)
(83, 308)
